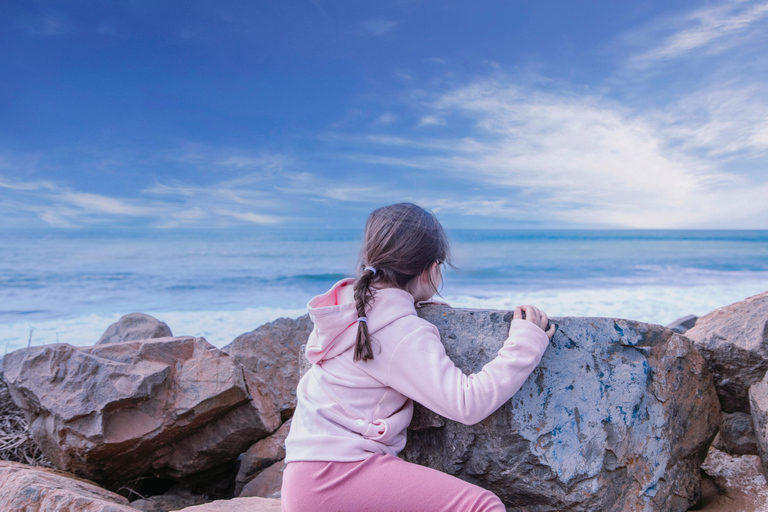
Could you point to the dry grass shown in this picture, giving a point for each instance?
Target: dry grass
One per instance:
(15, 442)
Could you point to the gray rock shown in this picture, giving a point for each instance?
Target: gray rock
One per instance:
(738, 434)
(734, 341)
(261, 455)
(172, 407)
(683, 324)
(270, 356)
(618, 416)
(737, 484)
(267, 484)
(758, 399)
(176, 498)
(135, 326)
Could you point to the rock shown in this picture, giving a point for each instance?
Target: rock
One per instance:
(239, 505)
(738, 434)
(267, 484)
(171, 407)
(175, 499)
(734, 341)
(683, 324)
(135, 326)
(758, 397)
(270, 355)
(261, 455)
(31, 489)
(618, 416)
(738, 484)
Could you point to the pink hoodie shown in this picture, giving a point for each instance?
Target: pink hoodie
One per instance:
(348, 411)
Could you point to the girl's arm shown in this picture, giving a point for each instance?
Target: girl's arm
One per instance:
(421, 370)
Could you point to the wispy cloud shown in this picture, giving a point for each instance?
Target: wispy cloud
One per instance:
(431, 121)
(270, 162)
(711, 29)
(581, 159)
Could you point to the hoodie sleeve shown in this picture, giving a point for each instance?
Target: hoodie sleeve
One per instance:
(421, 370)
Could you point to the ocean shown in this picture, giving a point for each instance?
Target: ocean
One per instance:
(68, 286)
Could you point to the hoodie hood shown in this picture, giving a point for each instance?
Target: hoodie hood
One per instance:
(335, 317)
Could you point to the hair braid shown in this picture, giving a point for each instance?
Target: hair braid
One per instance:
(363, 297)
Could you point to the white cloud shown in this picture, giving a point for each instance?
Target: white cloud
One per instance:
(431, 121)
(29, 185)
(95, 203)
(720, 121)
(583, 160)
(385, 119)
(253, 218)
(711, 29)
(269, 162)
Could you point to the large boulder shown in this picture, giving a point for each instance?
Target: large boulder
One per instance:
(758, 397)
(239, 505)
(270, 356)
(737, 484)
(135, 326)
(172, 407)
(737, 434)
(267, 484)
(734, 341)
(682, 324)
(30, 489)
(260, 456)
(618, 416)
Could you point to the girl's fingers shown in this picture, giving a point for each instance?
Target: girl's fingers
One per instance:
(544, 321)
(518, 314)
(551, 331)
(531, 314)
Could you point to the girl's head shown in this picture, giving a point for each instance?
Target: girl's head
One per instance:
(405, 244)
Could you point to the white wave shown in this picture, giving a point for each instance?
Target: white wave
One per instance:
(652, 304)
(218, 327)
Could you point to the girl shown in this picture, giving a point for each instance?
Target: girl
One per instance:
(371, 357)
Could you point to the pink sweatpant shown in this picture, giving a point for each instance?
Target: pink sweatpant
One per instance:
(380, 483)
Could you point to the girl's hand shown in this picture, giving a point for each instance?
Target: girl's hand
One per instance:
(535, 315)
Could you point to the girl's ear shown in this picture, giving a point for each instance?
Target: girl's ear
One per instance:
(426, 276)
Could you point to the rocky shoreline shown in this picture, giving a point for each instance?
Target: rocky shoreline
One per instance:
(620, 415)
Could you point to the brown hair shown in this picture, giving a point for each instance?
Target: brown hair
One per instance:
(401, 241)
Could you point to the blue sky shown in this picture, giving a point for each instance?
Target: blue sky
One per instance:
(312, 113)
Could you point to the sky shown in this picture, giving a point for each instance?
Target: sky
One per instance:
(311, 113)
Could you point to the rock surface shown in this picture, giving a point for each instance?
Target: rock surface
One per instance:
(737, 434)
(173, 407)
(267, 484)
(270, 354)
(618, 416)
(174, 499)
(29, 489)
(683, 324)
(738, 484)
(260, 456)
(238, 505)
(734, 341)
(135, 326)
(758, 397)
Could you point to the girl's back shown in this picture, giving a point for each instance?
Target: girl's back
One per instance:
(372, 356)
